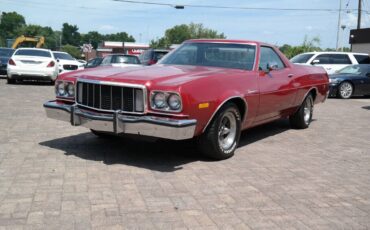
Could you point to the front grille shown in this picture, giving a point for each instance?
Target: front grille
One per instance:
(110, 97)
(70, 67)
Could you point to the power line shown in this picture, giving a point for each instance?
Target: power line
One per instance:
(229, 7)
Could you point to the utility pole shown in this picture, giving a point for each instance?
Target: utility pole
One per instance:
(338, 27)
(359, 14)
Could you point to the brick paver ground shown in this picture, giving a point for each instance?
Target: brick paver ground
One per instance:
(54, 176)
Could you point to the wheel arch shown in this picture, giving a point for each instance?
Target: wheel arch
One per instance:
(240, 102)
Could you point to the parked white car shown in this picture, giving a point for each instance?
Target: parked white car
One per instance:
(66, 62)
(32, 64)
(331, 61)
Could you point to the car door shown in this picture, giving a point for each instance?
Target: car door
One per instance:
(332, 62)
(363, 84)
(277, 92)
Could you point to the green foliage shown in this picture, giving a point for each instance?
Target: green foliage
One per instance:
(180, 33)
(308, 45)
(9, 25)
(36, 30)
(70, 35)
(72, 50)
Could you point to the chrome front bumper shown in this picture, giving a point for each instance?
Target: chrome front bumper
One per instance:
(168, 128)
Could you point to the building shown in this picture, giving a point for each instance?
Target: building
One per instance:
(132, 48)
(360, 40)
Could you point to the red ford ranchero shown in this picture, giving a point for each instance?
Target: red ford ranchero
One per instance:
(209, 90)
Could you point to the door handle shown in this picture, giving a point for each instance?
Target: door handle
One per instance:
(290, 75)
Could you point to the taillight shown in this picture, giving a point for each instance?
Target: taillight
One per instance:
(51, 64)
(11, 62)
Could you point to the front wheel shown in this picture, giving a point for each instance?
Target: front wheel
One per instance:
(222, 136)
(303, 117)
(10, 81)
(345, 90)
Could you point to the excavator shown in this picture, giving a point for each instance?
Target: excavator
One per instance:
(39, 41)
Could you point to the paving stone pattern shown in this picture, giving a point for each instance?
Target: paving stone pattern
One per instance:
(54, 176)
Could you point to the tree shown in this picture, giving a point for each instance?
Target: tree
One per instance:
(9, 25)
(92, 37)
(72, 50)
(180, 33)
(119, 37)
(308, 45)
(70, 35)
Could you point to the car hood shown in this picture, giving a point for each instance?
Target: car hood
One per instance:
(166, 75)
(342, 75)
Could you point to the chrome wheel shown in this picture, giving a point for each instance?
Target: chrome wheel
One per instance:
(345, 90)
(227, 131)
(307, 111)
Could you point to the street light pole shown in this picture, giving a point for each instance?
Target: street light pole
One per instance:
(359, 14)
(338, 27)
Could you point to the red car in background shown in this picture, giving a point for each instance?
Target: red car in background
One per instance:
(209, 90)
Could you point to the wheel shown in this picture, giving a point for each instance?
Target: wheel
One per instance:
(10, 81)
(303, 117)
(345, 90)
(222, 136)
(101, 134)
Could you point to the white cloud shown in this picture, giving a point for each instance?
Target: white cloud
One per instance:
(107, 28)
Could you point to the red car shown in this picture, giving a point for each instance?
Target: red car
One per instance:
(209, 90)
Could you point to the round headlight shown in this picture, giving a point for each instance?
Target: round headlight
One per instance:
(60, 89)
(71, 90)
(159, 100)
(174, 102)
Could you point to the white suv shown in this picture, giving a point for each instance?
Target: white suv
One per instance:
(66, 62)
(331, 61)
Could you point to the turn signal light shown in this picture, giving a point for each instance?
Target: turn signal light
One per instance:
(11, 62)
(51, 64)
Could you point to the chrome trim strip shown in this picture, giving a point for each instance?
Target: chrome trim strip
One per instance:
(161, 127)
(219, 107)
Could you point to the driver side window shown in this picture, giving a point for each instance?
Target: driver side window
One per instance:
(269, 59)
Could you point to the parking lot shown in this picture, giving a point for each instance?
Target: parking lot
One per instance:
(54, 176)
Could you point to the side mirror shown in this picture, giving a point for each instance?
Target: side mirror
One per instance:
(316, 61)
(271, 67)
(57, 59)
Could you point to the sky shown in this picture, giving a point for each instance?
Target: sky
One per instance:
(147, 22)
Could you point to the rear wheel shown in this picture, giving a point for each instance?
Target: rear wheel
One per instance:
(345, 90)
(222, 136)
(303, 117)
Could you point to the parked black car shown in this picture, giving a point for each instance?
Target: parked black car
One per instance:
(353, 80)
(152, 56)
(5, 54)
(94, 62)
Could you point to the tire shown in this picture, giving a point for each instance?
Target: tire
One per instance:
(221, 138)
(10, 81)
(345, 90)
(101, 134)
(303, 117)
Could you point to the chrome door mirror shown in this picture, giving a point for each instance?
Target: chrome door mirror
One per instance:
(316, 61)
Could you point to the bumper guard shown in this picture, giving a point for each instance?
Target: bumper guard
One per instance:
(168, 128)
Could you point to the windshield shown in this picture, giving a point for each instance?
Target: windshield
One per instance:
(6, 52)
(125, 59)
(225, 55)
(32, 52)
(64, 56)
(301, 58)
(355, 69)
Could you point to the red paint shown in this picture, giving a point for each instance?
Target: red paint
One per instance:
(268, 96)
